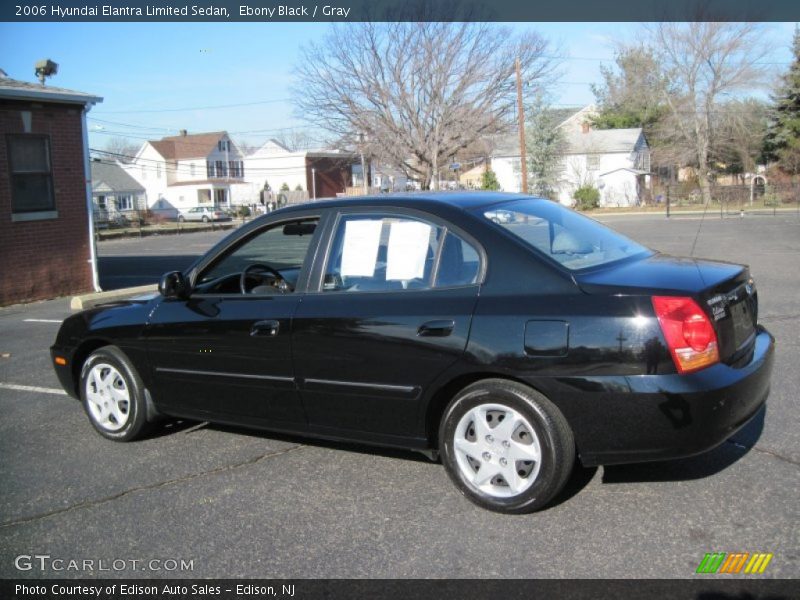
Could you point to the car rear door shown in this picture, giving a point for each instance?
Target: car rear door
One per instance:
(389, 308)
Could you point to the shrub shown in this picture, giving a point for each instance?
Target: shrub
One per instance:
(285, 187)
(489, 180)
(587, 197)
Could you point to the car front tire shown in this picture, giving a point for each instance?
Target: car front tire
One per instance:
(505, 446)
(205, 219)
(113, 395)
(181, 219)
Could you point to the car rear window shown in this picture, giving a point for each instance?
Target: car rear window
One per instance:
(574, 241)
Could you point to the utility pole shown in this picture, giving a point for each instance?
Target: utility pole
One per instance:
(523, 159)
(363, 162)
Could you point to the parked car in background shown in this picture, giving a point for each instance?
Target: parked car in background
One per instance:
(204, 214)
(500, 216)
(420, 322)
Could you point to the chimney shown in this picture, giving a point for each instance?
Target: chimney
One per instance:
(585, 127)
(183, 132)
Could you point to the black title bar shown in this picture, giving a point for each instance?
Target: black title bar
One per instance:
(266, 11)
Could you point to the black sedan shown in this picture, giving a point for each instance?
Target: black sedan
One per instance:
(507, 347)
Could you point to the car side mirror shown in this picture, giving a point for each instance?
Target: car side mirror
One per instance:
(173, 285)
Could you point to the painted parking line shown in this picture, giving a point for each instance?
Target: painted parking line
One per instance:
(32, 388)
(43, 320)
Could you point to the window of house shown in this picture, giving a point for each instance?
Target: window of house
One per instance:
(210, 170)
(221, 170)
(593, 162)
(191, 169)
(124, 202)
(31, 173)
(220, 197)
(158, 170)
(393, 253)
(101, 202)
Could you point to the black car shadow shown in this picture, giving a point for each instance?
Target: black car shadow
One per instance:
(695, 467)
(321, 443)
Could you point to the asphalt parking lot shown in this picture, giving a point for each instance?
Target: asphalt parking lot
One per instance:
(248, 504)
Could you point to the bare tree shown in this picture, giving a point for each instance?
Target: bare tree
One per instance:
(741, 126)
(417, 93)
(122, 148)
(702, 63)
(295, 140)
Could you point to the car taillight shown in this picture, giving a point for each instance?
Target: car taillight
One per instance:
(688, 331)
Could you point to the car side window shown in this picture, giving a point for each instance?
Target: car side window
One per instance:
(394, 253)
(459, 263)
(268, 260)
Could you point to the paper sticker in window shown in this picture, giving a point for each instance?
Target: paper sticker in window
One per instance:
(409, 242)
(360, 248)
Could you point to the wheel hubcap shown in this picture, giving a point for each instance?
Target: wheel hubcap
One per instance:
(108, 397)
(497, 450)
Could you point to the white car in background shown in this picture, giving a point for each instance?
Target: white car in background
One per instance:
(204, 214)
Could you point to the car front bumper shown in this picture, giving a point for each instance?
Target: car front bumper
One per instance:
(656, 417)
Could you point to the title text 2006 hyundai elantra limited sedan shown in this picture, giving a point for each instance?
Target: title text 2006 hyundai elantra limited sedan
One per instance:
(505, 346)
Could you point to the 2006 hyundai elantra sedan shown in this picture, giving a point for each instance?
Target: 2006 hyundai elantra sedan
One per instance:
(505, 346)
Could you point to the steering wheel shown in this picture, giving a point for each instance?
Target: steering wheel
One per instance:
(258, 270)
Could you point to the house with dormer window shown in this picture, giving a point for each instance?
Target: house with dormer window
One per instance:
(188, 170)
(615, 161)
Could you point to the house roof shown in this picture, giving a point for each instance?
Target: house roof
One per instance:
(181, 147)
(508, 145)
(114, 177)
(629, 169)
(24, 90)
(603, 141)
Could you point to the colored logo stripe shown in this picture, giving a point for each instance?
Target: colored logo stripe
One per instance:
(758, 564)
(722, 562)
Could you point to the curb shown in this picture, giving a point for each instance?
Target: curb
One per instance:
(90, 300)
(102, 236)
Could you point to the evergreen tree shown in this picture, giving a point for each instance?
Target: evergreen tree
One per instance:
(545, 144)
(782, 143)
(489, 180)
(632, 92)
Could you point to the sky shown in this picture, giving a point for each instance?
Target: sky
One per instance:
(158, 78)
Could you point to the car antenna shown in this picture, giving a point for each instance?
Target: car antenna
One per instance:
(699, 227)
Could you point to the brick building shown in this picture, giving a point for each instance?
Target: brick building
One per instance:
(46, 234)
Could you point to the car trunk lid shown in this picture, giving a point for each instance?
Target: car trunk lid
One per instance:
(725, 291)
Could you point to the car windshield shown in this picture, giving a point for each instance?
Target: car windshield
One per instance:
(574, 241)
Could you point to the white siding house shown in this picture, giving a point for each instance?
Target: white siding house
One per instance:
(615, 161)
(184, 171)
(320, 173)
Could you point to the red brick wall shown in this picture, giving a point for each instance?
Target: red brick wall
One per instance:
(49, 258)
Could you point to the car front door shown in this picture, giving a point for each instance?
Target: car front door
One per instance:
(390, 311)
(226, 349)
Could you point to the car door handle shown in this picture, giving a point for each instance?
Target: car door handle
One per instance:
(268, 328)
(436, 328)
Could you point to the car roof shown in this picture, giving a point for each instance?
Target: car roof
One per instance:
(420, 200)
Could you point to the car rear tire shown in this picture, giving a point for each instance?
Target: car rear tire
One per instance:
(205, 219)
(505, 446)
(181, 219)
(113, 395)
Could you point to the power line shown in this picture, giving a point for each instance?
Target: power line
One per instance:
(161, 110)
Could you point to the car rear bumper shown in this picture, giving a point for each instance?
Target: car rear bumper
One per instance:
(657, 417)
